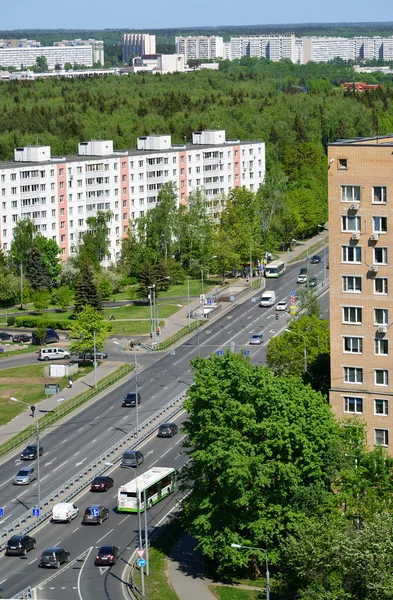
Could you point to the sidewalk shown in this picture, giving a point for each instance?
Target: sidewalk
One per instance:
(25, 419)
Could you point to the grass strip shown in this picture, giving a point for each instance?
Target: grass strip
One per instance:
(28, 350)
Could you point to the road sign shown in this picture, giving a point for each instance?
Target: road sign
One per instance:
(219, 352)
(1, 512)
(292, 294)
(35, 512)
(293, 309)
(292, 300)
(141, 552)
(141, 562)
(94, 511)
(246, 353)
(209, 302)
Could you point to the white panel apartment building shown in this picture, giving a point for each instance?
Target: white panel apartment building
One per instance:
(55, 55)
(205, 47)
(60, 193)
(138, 44)
(273, 47)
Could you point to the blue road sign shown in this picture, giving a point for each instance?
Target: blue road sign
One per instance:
(210, 302)
(1, 512)
(141, 562)
(35, 512)
(219, 352)
(94, 511)
(246, 353)
(291, 293)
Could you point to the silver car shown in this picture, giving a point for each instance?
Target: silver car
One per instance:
(25, 476)
(256, 339)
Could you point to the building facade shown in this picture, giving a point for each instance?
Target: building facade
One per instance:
(138, 44)
(361, 304)
(200, 47)
(97, 48)
(60, 193)
(273, 47)
(26, 56)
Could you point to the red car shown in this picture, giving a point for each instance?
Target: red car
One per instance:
(107, 555)
(22, 337)
(101, 484)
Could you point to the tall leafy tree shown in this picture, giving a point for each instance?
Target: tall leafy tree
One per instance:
(89, 323)
(95, 241)
(86, 291)
(36, 271)
(22, 243)
(50, 254)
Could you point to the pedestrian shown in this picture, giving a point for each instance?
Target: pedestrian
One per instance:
(132, 344)
(158, 331)
(70, 382)
(32, 408)
(151, 335)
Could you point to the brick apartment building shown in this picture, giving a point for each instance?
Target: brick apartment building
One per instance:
(360, 182)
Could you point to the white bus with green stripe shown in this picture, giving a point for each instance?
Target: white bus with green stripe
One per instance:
(155, 484)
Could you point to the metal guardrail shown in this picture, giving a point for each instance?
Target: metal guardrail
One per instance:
(78, 482)
(26, 594)
(62, 410)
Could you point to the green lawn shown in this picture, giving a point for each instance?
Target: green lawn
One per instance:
(141, 312)
(227, 593)
(18, 351)
(175, 291)
(131, 327)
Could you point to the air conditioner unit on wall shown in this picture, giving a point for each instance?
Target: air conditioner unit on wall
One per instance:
(374, 268)
(355, 236)
(382, 329)
(374, 237)
(353, 206)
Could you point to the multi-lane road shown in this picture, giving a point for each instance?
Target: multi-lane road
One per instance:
(73, 444)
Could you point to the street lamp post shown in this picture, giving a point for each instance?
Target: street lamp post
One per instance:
(138, 507)
(95, 360)
(136, 388)
(267, 565)
(304, 348)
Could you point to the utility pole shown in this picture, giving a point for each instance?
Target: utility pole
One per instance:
(38, 464)
(21, 286)
(95, 361)
(188, 302)
(136, 393)
(146, 535)
(151, 313)
(251, 266)
(138, 500)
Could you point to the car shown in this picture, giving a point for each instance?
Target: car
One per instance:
(25, 476)
(22, 337)
(50, 337)
(107, 555)
(20, 545)
(30, 452)
(130, 399)
(314, 260)
(5, 337)
(64, 512)
(302, 279)
(47, 354)
(282, 305)
(101, 484)
(312, 282)
(256, 339)
(54, 557)
(95, 513)
(303, 271)
(90, 356)
(167, 430)
(132, 458)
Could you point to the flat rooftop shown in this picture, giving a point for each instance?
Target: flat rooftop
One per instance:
(378, 140)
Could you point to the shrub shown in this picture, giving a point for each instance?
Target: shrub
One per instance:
(29, 321)
(11, 321)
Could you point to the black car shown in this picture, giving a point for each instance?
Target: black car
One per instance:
(50, 337)
(30, 452)
(5, 337)
(107, 555)
(20, 545)
(54, 557)
(95, 513)
(130, 399)
(314, 260)
(101, 484)
(132, 458)
(90, 356)
(312, 282)
(22, 337)
(167, 430)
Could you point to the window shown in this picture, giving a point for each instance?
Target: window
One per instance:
(350, 223)
(353, 375)
(350, 193)
(353, 405)
(353, 345)
(380, 285)
(380, 224)
(381, 347)
(381, 437)
(379, 195)
(342, 163)
(381, 407)
(381, 377)
(381, 256)
(352, 314)
(61, 172)
(380, 316)
(352, 284)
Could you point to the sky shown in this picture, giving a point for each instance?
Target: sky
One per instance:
(157, 14)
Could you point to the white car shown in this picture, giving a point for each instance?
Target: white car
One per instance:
(302, 279)
(64, 512)
(282, 305)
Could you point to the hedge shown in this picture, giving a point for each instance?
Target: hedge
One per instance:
(28, 321)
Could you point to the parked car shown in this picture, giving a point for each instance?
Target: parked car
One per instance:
(314, 260)
(312, 282)
(22, 337)
(130, 399)
(302, 279)
(95, 513)
(25, 476)
(50, 337)
(90, 356)
(256, 339)
(282, 305)
(101, 484)
(54, 557)
(30, 452)
(107, 555)
(53, 354)
(20, 545)
(167, 430)
(5, 337)
(64, 511)
(132, 458)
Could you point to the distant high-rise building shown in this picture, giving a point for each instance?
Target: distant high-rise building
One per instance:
(97, 48)
(138, 44)
(273, 47)
(201, 46)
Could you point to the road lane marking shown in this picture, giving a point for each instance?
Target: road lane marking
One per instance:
(101, 538)
(94, 441)
(155, 462)
(32, 561)
(42, 584)
(181, 439)
(152, 397)
(76, 453)
(64, 441)
(178, 456)
(4, 580)
(123, 520)
(80, 429)
(21, 494)
(42, 478)
(95, 418)
(59, 467)
(166, 452)
(75, 529)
